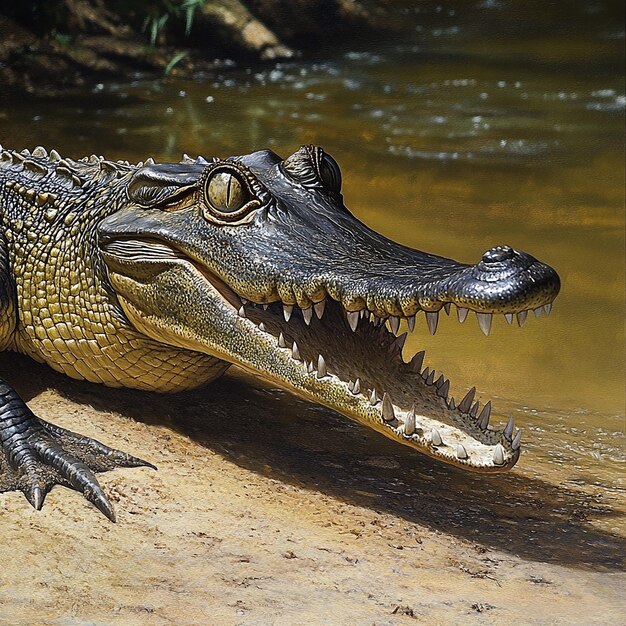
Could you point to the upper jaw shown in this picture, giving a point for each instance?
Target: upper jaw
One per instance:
(514, 286)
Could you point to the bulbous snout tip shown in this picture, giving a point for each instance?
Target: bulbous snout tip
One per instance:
(505, 280)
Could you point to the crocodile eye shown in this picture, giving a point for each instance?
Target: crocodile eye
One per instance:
(226, 193)
(227, 196)
(330, 173)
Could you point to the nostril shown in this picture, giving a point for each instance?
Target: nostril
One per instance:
(497, 254)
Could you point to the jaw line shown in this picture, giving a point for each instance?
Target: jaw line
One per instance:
(242, 342)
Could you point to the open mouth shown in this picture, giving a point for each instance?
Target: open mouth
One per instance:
(359, 356)
(352, 362)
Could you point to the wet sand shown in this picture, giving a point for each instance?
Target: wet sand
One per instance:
(268, 510)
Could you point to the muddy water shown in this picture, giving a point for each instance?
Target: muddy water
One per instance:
(451, 139)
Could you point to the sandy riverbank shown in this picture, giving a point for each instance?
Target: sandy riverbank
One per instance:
(267, 510)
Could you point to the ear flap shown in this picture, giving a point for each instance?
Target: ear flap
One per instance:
(163, 183)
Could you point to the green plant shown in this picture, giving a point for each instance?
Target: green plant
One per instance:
(179, 56)
(155, 22)
(153, 25)
(190, 7)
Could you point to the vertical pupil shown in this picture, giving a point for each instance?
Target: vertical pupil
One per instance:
(228, 192)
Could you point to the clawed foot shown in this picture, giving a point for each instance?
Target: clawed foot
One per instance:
(40, 455)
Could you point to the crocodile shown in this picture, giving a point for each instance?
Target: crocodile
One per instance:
(159, 276)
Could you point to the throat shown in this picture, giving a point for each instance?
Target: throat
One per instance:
(125, 358)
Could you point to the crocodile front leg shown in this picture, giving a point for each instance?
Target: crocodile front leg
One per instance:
(40, 455)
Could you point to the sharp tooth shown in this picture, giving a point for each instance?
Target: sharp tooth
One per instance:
(461, 313)
(287, 311)
(538, 311)
(425, 373)
(350, 385)
(415, 364)
(547, 308)
(362, 313)
(394, 324)
(461, 452)
(466, 404)
(474, 410)
(439, 381)
(353, 319)
(307, 314)
(265, 307)
(515, 444)
(373, 397)
(411, 323)
(431, 378)
(508, 430)
(319, 308)
(509, 318)
(356, 389)
(321, 367)
(388, 412)
(242, 312)
(452, 404)
(498, 455)
(262, 327)
(310, 368)
(435, 437)
(521, 317)
(432, 319)
(484, 321)
(409, 422)
(400, 341)
(295, 352)
(483, 418)
(281, 341)
(444, 389)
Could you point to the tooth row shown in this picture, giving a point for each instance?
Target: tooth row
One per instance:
(467, 406)
(393, 321)
(485, 319)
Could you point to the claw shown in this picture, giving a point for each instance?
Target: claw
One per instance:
(101, 502)
(35, 495)
(42, 455)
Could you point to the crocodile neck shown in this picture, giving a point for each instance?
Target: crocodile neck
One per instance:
(67, 315)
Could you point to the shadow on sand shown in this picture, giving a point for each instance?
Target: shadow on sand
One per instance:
(274, 434)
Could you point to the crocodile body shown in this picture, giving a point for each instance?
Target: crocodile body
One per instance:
(160, 276)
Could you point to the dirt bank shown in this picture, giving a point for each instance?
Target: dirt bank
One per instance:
(46, 47)
(267, 510)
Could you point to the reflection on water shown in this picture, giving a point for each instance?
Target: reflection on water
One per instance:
(480, 124)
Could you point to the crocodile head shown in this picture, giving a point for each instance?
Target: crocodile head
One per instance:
(255, 260)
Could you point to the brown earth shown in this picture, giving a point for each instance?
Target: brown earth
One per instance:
(266, 510)
(67, 43)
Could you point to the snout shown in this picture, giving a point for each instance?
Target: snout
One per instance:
(504, 281)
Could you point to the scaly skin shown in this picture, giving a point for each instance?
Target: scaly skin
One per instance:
(159, 277)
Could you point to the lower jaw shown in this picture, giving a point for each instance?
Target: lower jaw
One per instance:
(367, 365)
